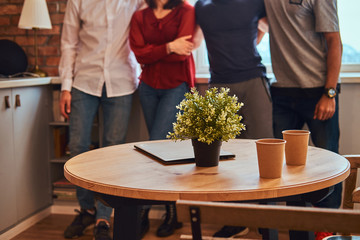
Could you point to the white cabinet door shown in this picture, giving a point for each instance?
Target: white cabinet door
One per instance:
(30, 116)
(7, 162)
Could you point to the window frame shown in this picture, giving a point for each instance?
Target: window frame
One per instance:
(350, 70)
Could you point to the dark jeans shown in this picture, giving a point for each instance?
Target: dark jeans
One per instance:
(292, 112)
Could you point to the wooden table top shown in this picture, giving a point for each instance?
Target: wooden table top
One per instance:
(123, 171)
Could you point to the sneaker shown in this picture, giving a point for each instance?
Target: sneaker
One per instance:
(322, 235)
(102, 231)
(83, 220)
(170, 222)
(231, 231)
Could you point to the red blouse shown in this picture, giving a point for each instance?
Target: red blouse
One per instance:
(148, 39)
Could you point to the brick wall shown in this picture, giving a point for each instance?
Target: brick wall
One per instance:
(48, 39)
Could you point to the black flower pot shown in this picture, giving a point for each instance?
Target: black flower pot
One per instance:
(206, 155)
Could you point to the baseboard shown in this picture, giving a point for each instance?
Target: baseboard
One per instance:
(25, 224)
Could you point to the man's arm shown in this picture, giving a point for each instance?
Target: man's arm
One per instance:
(69, 44)
(325, 108)
(198, 37)
(263, 27)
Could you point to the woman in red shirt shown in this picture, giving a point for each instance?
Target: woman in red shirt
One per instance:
(161, 39)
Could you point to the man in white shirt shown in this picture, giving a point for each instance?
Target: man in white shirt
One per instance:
(96, 69)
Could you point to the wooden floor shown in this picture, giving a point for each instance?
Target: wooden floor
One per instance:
(52, 228)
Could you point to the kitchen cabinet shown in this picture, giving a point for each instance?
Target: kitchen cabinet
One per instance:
(24, 167)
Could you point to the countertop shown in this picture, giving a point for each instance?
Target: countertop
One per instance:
(26, 81)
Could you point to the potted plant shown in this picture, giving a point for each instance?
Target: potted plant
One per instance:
(208, 120)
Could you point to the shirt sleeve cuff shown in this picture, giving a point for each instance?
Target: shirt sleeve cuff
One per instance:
(66, 85)
(165, 50)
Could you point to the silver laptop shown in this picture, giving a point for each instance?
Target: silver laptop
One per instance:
(171, 152)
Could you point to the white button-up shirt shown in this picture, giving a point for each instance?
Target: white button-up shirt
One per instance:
(95, 48)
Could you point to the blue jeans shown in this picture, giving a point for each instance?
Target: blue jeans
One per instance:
(159, 108)
(116, 113)
(292, 113)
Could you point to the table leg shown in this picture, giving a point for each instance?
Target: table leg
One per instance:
(127, 222)
(126, 217)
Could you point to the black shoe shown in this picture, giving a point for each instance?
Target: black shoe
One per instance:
(231, 231)
(145, 224)
(83, 220)
(170, 223)
(101, 231)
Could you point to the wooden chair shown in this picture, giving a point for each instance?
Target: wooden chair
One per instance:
(308, 219)
(351, 194)
(266, 216)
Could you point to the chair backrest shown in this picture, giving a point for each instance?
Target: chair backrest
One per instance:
(351, 196)
(267, 216)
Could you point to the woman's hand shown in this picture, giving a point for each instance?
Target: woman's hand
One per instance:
(181, 46)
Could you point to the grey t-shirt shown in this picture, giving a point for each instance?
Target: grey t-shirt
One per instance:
(298, 46)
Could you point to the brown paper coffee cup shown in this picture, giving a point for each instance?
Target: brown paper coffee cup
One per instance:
(270, 153)
(296, 146)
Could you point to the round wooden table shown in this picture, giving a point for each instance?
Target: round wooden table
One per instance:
(123, 172)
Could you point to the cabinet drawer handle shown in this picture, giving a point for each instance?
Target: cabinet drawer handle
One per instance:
(17, 101)
(7, 103)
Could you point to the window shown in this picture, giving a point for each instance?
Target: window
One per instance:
(264, 50)
(348, 17)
